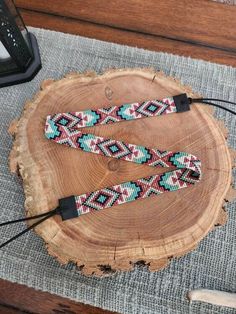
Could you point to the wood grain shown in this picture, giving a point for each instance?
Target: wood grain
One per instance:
(127, 37)
(22, 299)
(199, 21)
(150, 230)
(10, 310)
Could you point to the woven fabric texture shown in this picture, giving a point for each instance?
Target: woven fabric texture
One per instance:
(212, 265)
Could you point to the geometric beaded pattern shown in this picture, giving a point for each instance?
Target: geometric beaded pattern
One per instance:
(64, 128)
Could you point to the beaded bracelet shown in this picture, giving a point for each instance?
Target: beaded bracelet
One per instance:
(65, 128)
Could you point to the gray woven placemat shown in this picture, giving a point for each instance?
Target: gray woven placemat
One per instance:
(212, 265)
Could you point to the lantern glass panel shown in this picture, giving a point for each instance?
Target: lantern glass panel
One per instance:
(7, 64)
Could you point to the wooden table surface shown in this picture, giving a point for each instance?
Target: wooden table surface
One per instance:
(200, 29)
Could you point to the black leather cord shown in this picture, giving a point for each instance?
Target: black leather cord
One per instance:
(66, 209)
(45, 215)
(208, 102)
(23, 219)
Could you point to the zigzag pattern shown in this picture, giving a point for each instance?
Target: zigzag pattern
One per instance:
(64, 128)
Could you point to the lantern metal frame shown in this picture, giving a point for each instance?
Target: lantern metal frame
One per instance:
(23, 50)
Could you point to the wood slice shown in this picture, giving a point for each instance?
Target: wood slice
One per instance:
(149, 231)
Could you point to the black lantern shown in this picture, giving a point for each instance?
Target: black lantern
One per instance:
(19, 53)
